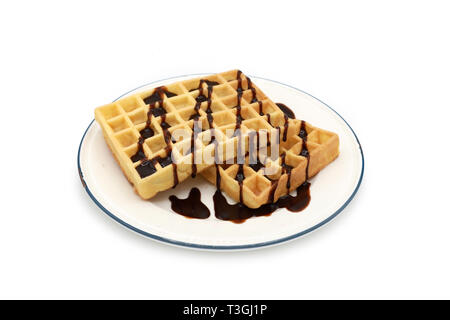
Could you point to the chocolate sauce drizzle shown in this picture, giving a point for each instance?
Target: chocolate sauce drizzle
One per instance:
(237, 128)
(254, 161)
(286, 110)
(201, 98)
(158, 95)
(192, 206)
(260, 108)
(304, 152)
(250, 86)
(156, 109)
(239, 212)
(208, 110)
(286, 169)
(167, 138)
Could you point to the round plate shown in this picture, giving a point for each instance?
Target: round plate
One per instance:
(331, 190)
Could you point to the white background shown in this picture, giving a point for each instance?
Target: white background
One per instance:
(383, 65)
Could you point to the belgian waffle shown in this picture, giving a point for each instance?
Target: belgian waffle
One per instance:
(303, 153)
(218, 114)
(139, 128)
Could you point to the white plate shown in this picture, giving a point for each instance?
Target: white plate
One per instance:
(331, 190)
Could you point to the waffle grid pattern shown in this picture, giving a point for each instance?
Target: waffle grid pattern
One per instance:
(126, 120)
(303, 154)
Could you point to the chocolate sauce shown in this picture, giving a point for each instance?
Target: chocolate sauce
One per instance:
(273, 188)
(170, 94)
(304, 152)
(210, 83)
(238, 118)
(191, 207)
(159, 111)
(164, 162)
(208, 108)
(286, 169)
(238, 212)
(210, 118)
(250, 86)
(260, 108)
(240, 157)
(158, 95)
(240, 179)
(298, 202)
(238, 106)
(200, 98)
(165, 126)
(286, 110)
(168, 139)
(140, 152)
(257, 166)
(155, 97)
(147, 132)
(303, 134)
(139, 155)
(146, 168)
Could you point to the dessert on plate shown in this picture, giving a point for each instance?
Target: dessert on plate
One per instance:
(220, 126)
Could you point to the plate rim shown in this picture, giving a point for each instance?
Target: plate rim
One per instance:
(220, 247)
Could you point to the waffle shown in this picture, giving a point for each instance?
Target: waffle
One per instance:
(219, 117)
(261, 179)
(140, 129)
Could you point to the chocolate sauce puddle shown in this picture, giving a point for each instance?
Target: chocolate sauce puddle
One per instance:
(239, 212)
(191, 207)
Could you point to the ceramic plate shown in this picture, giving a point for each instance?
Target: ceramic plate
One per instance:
(331, 190)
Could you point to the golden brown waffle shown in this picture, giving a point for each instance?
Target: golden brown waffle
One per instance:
(217, 114)
(303, 153)
(139, 128)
